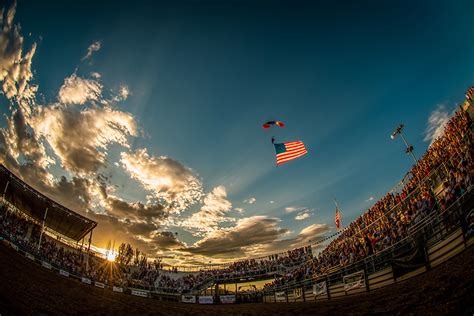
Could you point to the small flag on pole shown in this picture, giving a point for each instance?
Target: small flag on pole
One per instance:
(289, 151)
(338, 219)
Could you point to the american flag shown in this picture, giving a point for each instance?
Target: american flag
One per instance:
(337, 220)
(289, 151)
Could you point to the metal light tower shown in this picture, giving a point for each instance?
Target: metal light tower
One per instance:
(409, 149)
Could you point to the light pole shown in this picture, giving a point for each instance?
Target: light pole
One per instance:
(409, 149)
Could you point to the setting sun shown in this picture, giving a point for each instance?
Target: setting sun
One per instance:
(111, 256)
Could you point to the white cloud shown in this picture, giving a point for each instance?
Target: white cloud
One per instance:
(370, 199)
(240, 210)
(169, 181)
(436, 124)
(302, 216)
(96, 75)
(212, 213)
(94, 47)
(271, 202)
(251, 200)
(76, 90)
(291, 209)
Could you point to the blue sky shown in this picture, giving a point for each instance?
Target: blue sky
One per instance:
(203, 76)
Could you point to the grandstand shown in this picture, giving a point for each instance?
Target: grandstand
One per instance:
(416, 231)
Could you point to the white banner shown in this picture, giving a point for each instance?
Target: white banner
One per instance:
(354, 281)
(320, 288)
(188, 299)
(117, 289)
(101, 285)
(280, 296)
(86, 280)
(206, 300)
(45, 264)
(139, 293)
(64, 273)
(227, 299)
(30, 256)
(14, 246)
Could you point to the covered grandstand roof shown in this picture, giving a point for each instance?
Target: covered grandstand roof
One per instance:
(33, 203)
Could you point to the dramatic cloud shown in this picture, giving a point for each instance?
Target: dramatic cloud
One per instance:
(76, 90)
(168, 180)
(91, 49)
(254, 236)
(212, 213)
(436, 124)
(15, 69)
(80, 137)
(234, 241)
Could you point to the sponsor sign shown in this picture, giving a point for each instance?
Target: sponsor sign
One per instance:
(30, 256)
(117, 289)
(320, 288)
(467, 224)
(139, 293)
(298, 292)
(280, 296)
(86, 280)
(206, 300)
(45, 264)
(188, 299)
(99, 284)
(14, 246)
(354, 281)
(227, 299)
(64, 273)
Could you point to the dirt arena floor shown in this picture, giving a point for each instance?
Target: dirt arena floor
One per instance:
(26, 288)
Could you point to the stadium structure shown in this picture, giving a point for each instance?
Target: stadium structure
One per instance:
(412, 249)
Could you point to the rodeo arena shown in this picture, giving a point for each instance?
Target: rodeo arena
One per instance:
(411, 251)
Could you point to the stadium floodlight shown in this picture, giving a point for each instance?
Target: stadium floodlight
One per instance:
(409, 149)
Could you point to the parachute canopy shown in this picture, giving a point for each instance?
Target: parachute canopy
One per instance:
(270, 123)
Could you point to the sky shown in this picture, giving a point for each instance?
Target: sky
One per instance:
(146, 116)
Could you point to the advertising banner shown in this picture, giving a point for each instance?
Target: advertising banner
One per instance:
(191, 299)
(86, 280)
(139, 293)
(117, 289)
(206, 300)
(99, 284)
(320, 288)
(280, 296)
(354, 281)
(30, 256)
(64, 273)
(298, 292)
(45, 264)
(413, 260)
(227, 299)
